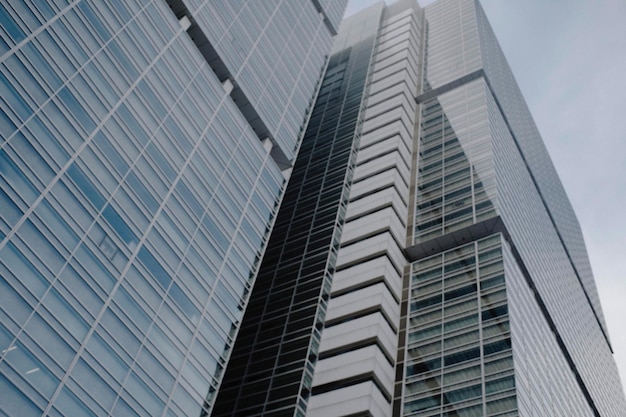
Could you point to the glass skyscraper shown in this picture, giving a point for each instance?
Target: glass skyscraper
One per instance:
(144, 150)
(426, 260)
(237, 208)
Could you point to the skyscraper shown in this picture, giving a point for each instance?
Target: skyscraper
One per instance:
(144, 150)
(426, 260)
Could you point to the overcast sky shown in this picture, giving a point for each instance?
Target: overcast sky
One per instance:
(569, 58)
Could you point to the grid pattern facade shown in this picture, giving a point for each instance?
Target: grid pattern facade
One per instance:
(538, 161)
(526, 194)
(537, 158)
(545, 384)
(553, 274)
(271, 368)
(459, 358)
(274, 52)
(452, 45)
(456, 177)
(136, 200)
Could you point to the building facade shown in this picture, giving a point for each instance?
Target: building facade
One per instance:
(426, 260)
(144, 150)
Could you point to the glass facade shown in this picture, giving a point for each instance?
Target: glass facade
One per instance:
(483, 169)
(459, 252)
(137, 194)
(456, 177)
(538, 162)
(545, 383)
(425, 260)
(459, 358)
(273, 50)
(271, 368)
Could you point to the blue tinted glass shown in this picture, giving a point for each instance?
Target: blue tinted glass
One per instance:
(81, 290)
(34, 91)
(119, 225)
(13, 303)
(164, 165)
(122, 59)
(184, 303)
(68, 316)
(40, 333)
(113, 156)
(43, 66)
(105, 355)
(216, 339)
(227, 298)
(143, 193)
(33, 370)
(143, 287)
(96, 270)
(14, 99)
(45, 9)
(124, 337)
(89, 379)
(10, 212)
(178, 135)
(10, 26)
(44, 136)
(216, 233)
(69, 405)
(95, 21)
(154, 102)
(123, 409)
(154, 267)
(86, 186)
(16, 178)
(220, 317)
(121, 9)
(165, 346)
(29, 276)
(7, 127)
(77, 110)
(145, 396)
(132, 124)
(156, 369)
(19, 405)
(130, 307)
(4, 47)
(190, 199)
(5, 338)
(36, 162)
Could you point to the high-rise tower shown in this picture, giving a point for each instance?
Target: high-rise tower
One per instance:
(144, 149)
(426, 260)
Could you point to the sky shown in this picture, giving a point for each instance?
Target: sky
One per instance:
(569, 59)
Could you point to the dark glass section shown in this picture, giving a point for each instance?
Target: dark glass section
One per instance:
(270, 370)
